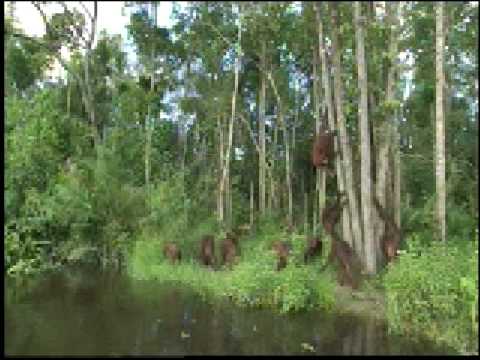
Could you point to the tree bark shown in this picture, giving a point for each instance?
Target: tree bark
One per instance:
(440, 124)
(287, 150)
(305, 213)
(223, 181)
(397, 175)
(220, 212)
(251, 204)
(261, 133)
(346, 227)
(366, 183)
(320, 175)
(148, 120)
(345, 145)
(273, 185)
(387, 144)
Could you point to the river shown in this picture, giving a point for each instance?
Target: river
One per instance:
(84, 312)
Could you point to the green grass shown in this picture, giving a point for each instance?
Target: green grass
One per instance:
(252, 282)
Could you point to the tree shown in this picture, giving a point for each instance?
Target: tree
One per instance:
(366, 184)
(440, 124)
(327, 90)
(345, 144)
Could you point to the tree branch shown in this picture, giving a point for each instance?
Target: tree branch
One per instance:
(86, 10)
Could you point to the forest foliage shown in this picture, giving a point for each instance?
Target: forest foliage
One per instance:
(110, 162)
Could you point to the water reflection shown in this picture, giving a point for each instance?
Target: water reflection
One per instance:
(80, 312)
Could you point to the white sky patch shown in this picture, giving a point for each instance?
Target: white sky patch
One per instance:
(109, 18)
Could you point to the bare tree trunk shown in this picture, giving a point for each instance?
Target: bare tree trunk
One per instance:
(220, 212)
(89, 96)
(184, 157)
(315, 217)
(346, 228)
(289, 178)
(148, 120)
(68, 93)
(305, 213)
(386, 149)
(274, 196)
(251, 204)
(287, 150)
(261, 133)
(345, 145)
(366, 184)
(320, 175)
(223, 182)
(440, 124)
(397, 189)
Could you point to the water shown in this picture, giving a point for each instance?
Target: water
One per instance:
(81, 312)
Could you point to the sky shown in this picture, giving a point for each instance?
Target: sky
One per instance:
(110, 15)
(110, 18)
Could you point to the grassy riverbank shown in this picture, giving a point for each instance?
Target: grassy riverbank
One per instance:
(407, 294)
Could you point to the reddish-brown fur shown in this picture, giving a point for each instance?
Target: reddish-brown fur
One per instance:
(172, 252)
(347, 260)
(341, 250)
(323, 149)
(391, 237)
(314, 248)
(207, 251)
(229, 249)
(282, 250)
(331, 214)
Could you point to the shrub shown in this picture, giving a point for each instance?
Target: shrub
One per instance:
(433, 290)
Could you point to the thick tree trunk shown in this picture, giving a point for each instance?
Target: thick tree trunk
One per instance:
(346, 228)
(440, 124)
(345, 144)
(386, 148)
(366, 184)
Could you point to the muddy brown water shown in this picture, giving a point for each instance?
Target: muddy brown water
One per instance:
(85, 312)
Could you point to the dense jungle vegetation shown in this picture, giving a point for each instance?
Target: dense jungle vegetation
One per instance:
(211, 133)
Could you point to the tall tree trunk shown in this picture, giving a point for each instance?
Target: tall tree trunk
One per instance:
(346, 227)
(220, 210)
(366, 184)
(287, 150)
(288, 176)
(384, 170)
(305, 213)
(89, 103)
(68, 93)
(148, 121)
(319, 174)
(475, 157)
(397, 174)
(345, 144)
(440, 124)
(273, 194)
(223, 182)
(261, 133)
(251, 204)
